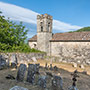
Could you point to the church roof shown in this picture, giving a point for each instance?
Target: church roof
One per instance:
(70, 36)
(34, 38)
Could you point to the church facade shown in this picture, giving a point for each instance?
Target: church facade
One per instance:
(68, 45)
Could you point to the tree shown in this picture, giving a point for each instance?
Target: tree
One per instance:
(11, 34)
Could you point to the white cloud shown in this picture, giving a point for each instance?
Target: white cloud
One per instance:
(29, 16)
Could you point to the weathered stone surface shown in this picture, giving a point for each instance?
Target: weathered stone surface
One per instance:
(2, 62)
(18, 88)
(31, 73)
(57, 83)
(42, 81)
(78, 52)
(21, 72)
(14, 58)
(72, 88)
(21, 57)
(44, 32)
(37, 68)
(13, 65)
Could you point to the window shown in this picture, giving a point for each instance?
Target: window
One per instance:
(34, 45)
(49, 26)
(41, 28)
(41, 24)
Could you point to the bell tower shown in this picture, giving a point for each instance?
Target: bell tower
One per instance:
(44, 32)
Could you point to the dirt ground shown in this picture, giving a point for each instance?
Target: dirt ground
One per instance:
(65, 71)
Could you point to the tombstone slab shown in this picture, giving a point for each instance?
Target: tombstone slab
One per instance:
(57, 83)
(31, 73)
(2, 62)
(42, 81)
(37, 68)
(21, 72)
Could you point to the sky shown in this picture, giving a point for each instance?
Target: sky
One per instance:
(68, 15)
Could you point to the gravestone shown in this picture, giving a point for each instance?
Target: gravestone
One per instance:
(18, 88)
(21, 72)
(42, 81)
(31, 73)
(57, 83)
(55, 68)
(51, 68)
(14, 61)
(2, 62)
(37, 68)
(46, 66)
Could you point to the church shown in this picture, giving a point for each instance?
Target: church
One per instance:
(69, 44)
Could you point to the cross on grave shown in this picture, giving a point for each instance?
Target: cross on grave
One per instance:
(75, 75)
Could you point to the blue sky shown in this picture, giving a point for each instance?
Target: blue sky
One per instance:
(69, 15)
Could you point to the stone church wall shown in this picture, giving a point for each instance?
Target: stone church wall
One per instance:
(33, 44)
(78, 52)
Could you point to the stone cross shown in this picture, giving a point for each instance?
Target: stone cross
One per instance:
(31, 73)
(21, 72)
(57, 83)
(73, 87)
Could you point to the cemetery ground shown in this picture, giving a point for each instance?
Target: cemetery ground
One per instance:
(65, 70)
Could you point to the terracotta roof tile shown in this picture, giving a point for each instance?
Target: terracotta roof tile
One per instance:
(67, 36)
(34, 38)
(71, 36)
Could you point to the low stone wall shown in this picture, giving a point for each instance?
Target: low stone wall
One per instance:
(22, 57)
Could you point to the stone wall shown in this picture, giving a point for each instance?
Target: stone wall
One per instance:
(23, 57)
(78, 52)
(33, 44)
(43, 41)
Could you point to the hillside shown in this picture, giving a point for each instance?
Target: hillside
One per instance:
(82, 29)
